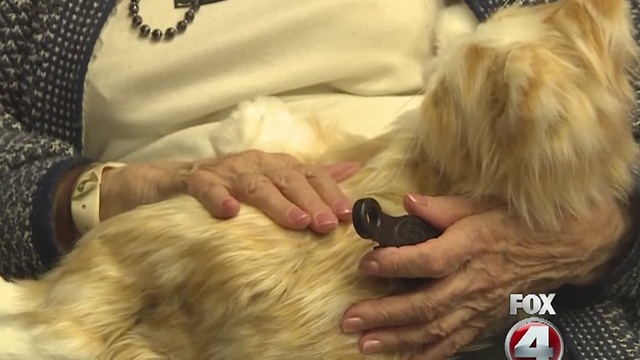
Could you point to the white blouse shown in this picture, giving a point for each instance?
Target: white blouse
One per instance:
(358, 60)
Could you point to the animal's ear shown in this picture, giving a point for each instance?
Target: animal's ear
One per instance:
(602, 31)
(526, 87)
(466, 94)
(486, 86)
(605, 25)
(606, 8)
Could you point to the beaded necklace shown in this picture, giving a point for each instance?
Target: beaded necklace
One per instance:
(157, 34)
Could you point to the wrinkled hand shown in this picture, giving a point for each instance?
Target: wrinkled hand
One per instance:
(294, 195)
(483, 255)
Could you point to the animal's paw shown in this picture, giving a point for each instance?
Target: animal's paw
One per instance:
(264, 124)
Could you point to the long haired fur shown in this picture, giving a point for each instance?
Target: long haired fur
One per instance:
(531, 108)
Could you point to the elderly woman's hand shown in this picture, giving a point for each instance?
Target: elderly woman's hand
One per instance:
(294, 195)
(483, 255)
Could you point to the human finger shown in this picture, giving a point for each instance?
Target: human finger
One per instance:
(342, 171)
(435, 258)
(207, 188)
(449, 346)
(414, 336)
(257, 190)
(329, 191)
(296, 188)
(443, 211)
(417, 307)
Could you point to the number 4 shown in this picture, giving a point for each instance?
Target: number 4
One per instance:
(524, 348)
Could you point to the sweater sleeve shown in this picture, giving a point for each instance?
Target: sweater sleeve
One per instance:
(31, 166)
(45, 49)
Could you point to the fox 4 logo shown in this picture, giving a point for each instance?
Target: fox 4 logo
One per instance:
(532, 304)
(533, 338)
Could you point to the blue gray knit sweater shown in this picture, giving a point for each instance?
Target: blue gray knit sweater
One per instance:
(45, 48)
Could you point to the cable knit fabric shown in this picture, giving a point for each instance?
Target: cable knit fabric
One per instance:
(45, 48)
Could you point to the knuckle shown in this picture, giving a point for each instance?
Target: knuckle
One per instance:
(479, 323)
(254, 183)
(235, 164)
(483, 284)
(403, 341)
(397, 342)
(426, 309)
(286, 178)
(316, 172)
(385, 315)
(483, 236)
(234, 167)
(440, 330)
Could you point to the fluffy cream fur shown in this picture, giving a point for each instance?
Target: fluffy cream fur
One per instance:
(530, 107)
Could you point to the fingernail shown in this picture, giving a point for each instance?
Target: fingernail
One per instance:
(326, 220)
(298, 215)
(342, 207)
(352, 325)
(418, 199)
(370, 266)
(371, 347)
(229, 205)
